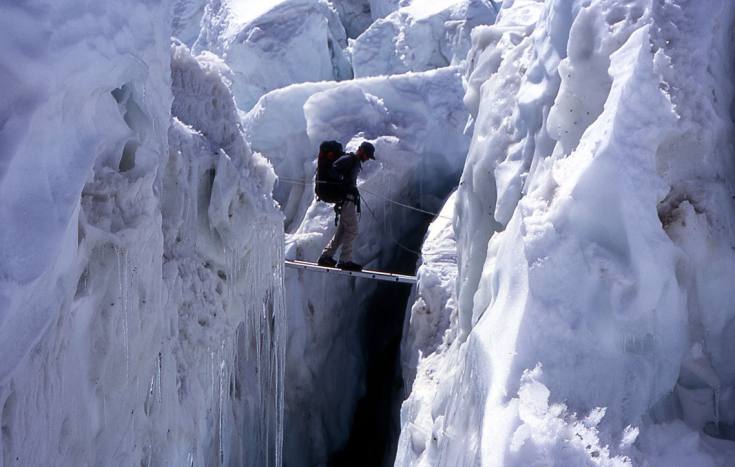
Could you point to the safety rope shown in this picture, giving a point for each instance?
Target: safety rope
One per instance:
(295, 181)
(390, 233)
(364, 190)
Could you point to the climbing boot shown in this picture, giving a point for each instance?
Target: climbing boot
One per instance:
(349, 266)
(326, 261)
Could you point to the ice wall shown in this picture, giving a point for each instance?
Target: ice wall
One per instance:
(585, 333)
(141, 314)
(223, 250)
(270, 44)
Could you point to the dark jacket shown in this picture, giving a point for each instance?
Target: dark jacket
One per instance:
(347, 168)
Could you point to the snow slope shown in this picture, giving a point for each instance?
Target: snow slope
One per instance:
(141, 313)
(594, 307)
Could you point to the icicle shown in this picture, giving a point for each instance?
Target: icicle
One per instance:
(194, 202)
(256, 277)
(221, 454)
(717, 407)
(122, 278)
(160, 380)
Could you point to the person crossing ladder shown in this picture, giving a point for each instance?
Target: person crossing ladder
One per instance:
(336, 182)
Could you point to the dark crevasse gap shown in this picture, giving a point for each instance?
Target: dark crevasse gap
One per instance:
(376, 425)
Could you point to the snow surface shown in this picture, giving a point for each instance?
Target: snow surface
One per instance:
(585, 333)
(141, 301)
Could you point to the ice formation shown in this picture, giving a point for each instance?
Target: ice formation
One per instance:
(593, 313)
(356, 15)
(141, 303)
(270, 44)
(420, 35)
(187, 18)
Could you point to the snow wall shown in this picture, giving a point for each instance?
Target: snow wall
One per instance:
(589, 319)
(141, 301)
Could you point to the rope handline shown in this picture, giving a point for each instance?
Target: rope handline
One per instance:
(372, 213)
(398, 203)
(390, 234)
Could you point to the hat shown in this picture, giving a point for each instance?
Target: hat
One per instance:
(368, 149)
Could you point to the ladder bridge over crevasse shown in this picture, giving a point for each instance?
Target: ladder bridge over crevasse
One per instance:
(365, 274)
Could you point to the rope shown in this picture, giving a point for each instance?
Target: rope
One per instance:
(295, 181)
(392, 201)
(397, 203)
(390, 234)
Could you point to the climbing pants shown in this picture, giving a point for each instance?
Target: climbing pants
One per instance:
(346, 233)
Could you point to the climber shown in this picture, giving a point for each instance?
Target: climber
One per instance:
(344, 171)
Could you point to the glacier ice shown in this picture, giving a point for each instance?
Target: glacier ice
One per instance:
(355, 15)
(420, 112)
(187, 18)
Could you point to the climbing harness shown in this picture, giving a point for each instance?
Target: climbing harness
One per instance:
(355, 198)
